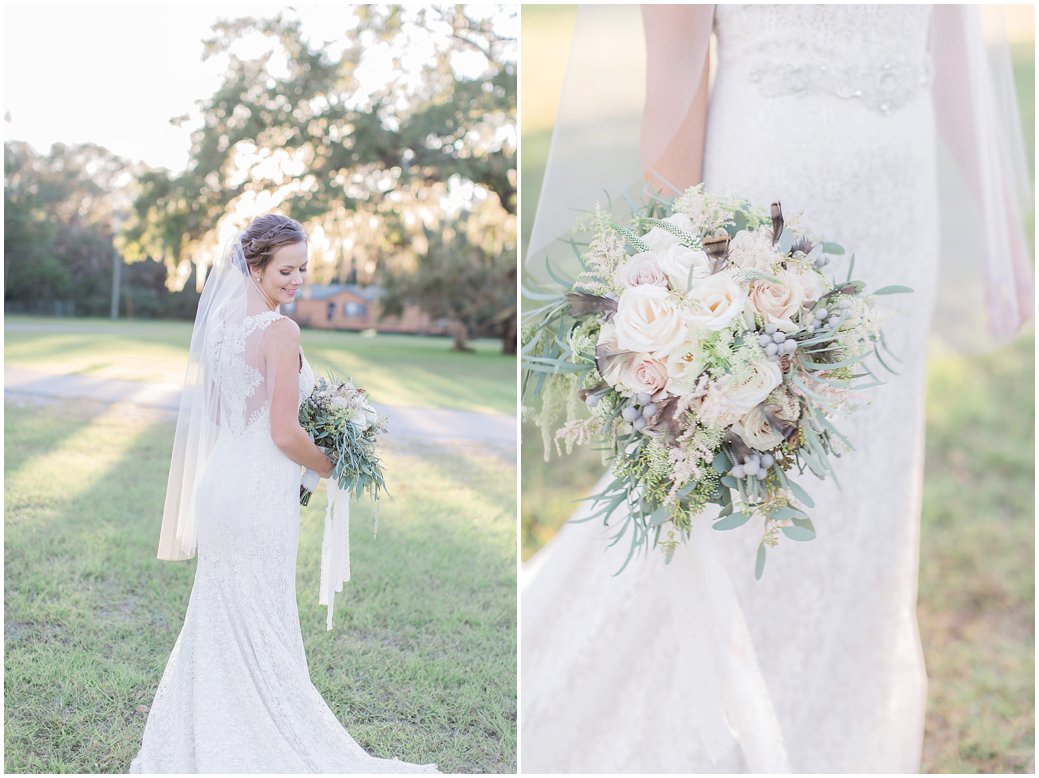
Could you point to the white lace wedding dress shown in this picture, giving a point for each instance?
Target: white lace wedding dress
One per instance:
(696, 666)
(236, 695)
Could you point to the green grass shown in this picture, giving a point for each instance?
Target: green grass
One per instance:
(977, 575)
(396, 369)
(421, 665)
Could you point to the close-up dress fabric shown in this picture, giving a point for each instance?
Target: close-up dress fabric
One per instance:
(695, 666)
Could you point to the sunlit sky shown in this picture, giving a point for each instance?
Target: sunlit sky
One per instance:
(116, 74)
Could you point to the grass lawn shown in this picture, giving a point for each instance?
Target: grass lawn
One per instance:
(396, 369)
(421, 665)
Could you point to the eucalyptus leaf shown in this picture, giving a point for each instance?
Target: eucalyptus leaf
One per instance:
(797, 490)
(658, 517)
(798, 533)
(732, 522)
(787, 513)
(721, 463)
(759, 563)
(893, 290)
(684, 491)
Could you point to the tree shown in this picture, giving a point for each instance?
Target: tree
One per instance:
(460, 277)
(57, 223)
(58, 241)
(301, 129)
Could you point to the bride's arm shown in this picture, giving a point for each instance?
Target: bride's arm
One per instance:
(675, 114)
(283, 387)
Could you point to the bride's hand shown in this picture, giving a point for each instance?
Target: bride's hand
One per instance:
(327, 472)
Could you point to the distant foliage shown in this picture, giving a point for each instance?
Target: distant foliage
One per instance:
(58, 242)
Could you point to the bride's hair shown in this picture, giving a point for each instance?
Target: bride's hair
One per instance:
(268, 233)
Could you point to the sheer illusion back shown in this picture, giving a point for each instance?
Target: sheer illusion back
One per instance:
(238, 366)
(236, 695)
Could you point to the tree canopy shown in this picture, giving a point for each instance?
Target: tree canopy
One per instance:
(376, 129)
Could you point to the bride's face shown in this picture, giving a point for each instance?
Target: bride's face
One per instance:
(283, 277)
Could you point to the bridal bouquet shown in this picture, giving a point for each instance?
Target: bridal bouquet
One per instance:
(713, 353)
(339, 418)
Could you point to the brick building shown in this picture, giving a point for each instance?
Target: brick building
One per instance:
(352, 307)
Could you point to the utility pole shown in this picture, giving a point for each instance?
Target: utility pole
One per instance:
(117, 268)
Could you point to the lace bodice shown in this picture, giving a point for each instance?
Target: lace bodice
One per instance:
(877, 55)
(238, 370)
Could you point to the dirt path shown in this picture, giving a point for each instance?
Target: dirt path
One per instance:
(430, 424)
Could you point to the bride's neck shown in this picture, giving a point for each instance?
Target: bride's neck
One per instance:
(260, 297)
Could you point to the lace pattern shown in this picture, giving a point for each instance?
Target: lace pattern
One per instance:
(884, 88)
(871, 54)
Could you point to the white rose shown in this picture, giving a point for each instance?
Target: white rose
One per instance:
(752, 249)
(716, 301)
(756, 430)
(358, 419)
(683, 368)
(810, 285)
(611, 368)
(660, 239)
(765, 377)
(648, 320)
(728, 399)
(645, 374)
(683, 266)
(641, 269)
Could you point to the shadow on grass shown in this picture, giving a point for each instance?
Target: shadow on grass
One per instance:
(421, 665)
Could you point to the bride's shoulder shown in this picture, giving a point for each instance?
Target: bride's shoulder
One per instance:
(283, 330)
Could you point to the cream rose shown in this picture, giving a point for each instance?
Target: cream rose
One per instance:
(612, 365)
(645, 374)
(661, 240)
(683, 368)
(648, 320)
(729, 399)
(752, 249)
(777, 302)
(756, 430)
(810, 285)
(683, 266)
(716, 301)
(641, 269)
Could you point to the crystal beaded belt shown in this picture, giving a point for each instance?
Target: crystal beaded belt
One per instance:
(882, 87)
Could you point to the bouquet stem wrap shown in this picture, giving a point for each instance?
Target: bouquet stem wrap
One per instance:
(335, 547)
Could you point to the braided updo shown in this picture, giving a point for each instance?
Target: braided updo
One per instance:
(266, 234)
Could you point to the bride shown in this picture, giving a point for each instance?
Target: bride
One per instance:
(843, 113)
(236, 695)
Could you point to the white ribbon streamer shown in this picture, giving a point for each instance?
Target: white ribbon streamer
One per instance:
(335, 547)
